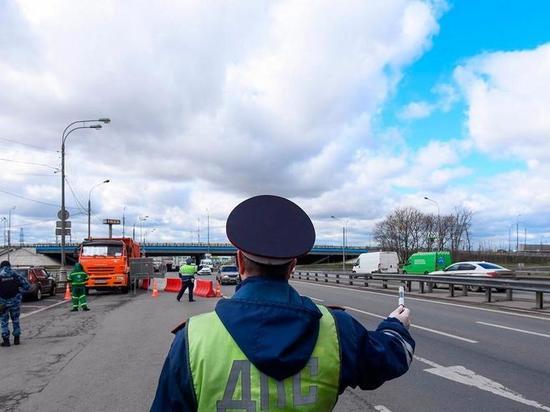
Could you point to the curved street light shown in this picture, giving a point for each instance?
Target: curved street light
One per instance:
(345, 223)
(90, 204)
(63, 212)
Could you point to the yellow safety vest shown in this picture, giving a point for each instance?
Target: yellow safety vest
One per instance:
(225, 380)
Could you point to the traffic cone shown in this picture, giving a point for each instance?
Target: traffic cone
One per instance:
(155, 290)
(218, 290)
(67, 293)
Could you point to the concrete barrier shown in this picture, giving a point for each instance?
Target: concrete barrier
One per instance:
(172, 285)
(204, 288)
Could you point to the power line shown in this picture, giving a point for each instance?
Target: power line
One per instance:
(32, 200)
(30, 163)
(26, 144)
(78, 202)
(38, 222)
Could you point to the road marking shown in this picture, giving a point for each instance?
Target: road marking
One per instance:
(417, 326)
(24, 315)
(427, 301)
(467, 377)
(381, 408)
(32, 306)
(514, 329)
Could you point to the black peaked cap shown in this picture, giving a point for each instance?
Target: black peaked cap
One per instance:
(271, 227)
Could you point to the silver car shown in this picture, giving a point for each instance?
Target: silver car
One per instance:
(228, 274)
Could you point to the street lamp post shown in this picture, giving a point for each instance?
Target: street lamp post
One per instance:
(9, 226)
(517, 233)
(141, 220)
(343, 242)
(438, 220)
(90, 204)
(5, 221)
(438, 229)
(63, 212)
(208, 231)
(123, 221)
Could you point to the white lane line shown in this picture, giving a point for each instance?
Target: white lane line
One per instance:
(417, 326)
(24, 315)
(427, 301)
(514, 329)
(381, 408)
(467, 377)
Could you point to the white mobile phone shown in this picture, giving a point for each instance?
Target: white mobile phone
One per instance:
(401, 295)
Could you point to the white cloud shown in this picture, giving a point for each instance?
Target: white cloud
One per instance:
(417, 110)
(508, 96)
(210, 102)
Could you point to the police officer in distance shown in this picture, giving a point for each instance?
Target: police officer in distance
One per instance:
(10, 302)
(187, 276)
(268, 347)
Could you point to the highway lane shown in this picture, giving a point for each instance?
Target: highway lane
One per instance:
(518, 361)
(116, 351)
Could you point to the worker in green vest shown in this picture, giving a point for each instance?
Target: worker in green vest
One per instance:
(78, 279)
(267, 347)
(187, 276)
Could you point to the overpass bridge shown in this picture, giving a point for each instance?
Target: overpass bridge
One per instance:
(319, 252)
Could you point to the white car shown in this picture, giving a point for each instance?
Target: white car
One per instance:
(205, 270)
(482, 269)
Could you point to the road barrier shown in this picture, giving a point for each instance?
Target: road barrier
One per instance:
(426, 283)
(145, 284)
(161, 284)
(204, 288)
(173, 285)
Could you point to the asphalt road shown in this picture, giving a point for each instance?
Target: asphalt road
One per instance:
(110, 358)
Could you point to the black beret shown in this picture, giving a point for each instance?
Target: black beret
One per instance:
(270, 227)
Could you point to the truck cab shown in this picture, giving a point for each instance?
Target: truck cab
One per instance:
(107, 262)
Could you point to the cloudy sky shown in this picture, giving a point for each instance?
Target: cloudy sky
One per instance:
(349, 108)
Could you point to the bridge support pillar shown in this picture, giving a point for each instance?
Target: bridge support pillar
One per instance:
(509, 294)
(421, 286)
(464, 290)
(430, 287)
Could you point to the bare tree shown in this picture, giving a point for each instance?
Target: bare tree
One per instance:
(407, 230)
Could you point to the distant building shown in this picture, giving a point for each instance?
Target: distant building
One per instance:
(537, 247)
(27, 256)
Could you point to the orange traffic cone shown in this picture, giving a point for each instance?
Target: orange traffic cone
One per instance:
(67, 293)
(218, 290)
(155, 290)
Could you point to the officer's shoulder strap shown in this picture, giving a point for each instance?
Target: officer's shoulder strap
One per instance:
(334, 307)
(180, 327)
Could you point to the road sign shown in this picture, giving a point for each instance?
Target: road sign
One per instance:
(59, 224)
(61, 213)
(111, 221)
(59, 232)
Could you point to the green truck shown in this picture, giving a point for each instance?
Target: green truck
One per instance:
(422, 263)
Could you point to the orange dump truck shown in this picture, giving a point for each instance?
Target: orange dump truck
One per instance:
(107, 262)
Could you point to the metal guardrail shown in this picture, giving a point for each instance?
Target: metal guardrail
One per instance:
(426, 283)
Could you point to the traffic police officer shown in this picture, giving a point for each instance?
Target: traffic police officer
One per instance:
(10, 301)
(268, 348)
(187, 276)
(78, 279)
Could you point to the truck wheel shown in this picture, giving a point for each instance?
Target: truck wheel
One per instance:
(124, 290)
(404, 272)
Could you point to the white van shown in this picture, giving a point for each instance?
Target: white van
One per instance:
(377, 262)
